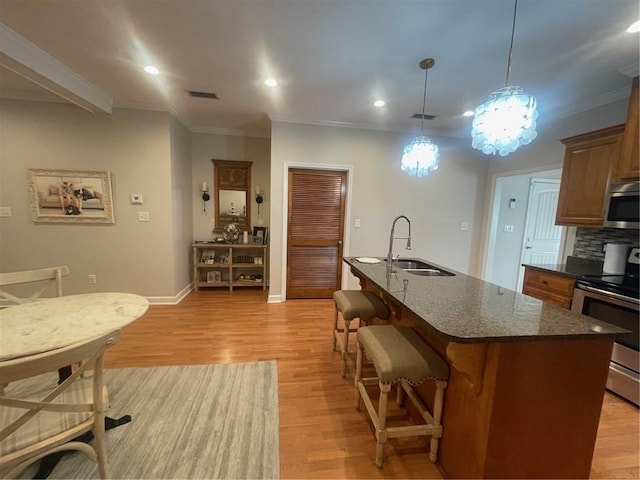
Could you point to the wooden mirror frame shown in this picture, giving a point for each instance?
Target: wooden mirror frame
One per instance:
(233, 176)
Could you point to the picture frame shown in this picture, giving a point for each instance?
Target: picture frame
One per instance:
(261, 233)
(214, 276)
(70, 196)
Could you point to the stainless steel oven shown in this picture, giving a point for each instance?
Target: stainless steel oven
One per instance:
(620, 310)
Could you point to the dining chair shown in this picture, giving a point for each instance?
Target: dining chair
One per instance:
(39, 281)
(39, 417)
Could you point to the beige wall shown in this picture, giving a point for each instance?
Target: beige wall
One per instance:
(436, 204)
(130, 256)
(182, 209)
(206, 147)
(152, 154)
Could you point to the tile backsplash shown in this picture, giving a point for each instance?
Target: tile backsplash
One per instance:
(589, 241)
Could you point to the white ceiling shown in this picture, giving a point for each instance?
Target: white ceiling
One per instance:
(333, 58)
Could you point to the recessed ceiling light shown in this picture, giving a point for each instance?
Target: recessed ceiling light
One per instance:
(152, 70)
(468, 113)
(270, 82)
(379, 103)
(634, 28)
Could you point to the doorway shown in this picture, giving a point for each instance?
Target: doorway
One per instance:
(510, 216)
(315, 232)
(541, 244)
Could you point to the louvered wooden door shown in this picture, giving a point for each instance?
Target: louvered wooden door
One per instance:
(315, 232)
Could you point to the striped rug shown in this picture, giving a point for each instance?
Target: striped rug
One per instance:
(201, 421)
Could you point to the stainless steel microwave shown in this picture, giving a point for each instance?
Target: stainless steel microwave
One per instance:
(623, 205)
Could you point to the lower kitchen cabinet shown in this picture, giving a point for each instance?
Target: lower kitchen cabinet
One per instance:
(548, 287)
(229, 266)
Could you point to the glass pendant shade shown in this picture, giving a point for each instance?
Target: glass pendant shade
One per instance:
(420, 157)
(504, 122)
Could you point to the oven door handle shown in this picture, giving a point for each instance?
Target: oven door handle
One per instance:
(609, 295)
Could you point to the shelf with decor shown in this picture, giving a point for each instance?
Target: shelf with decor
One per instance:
(229, 265)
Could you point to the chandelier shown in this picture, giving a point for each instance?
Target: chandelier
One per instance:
(421, 156)
(508, 119)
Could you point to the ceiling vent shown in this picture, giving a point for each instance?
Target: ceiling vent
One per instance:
(426, 117)
(210, 95)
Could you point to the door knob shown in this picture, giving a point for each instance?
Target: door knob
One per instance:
(339, 242)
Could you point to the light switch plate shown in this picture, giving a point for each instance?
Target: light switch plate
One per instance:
(5, 211)
(136, 198)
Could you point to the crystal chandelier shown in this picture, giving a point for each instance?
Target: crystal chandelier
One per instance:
(508, 119)
(421, 156)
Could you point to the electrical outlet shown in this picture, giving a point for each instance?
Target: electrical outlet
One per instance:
(508, 228)
(5, 211)
(464, 226)
(357, 223)
(143, 216)
(92, 279)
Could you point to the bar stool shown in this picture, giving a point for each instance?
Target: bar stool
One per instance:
(400, 356)
(354, 304)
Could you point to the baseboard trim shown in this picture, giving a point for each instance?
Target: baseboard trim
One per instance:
(275, 299)
(171, 300)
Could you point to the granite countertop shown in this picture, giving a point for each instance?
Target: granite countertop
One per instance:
(466, 309)
(575, 267)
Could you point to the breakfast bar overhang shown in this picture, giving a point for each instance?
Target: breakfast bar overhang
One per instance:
(527, 379)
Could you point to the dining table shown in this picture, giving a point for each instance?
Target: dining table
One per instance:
(51, 323)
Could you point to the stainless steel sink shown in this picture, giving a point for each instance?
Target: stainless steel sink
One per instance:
(428, 272)
(405, 264)
(418, 267)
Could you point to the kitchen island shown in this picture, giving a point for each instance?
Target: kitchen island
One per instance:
(527, 378)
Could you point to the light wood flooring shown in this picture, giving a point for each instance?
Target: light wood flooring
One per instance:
(321, 433)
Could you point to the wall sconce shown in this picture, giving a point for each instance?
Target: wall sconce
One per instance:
(204, 188)
(259, 200)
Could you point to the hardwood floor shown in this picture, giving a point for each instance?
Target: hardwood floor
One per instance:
(321, 434)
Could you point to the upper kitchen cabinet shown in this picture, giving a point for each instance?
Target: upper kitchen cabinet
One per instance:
(588, 163)
(628, 167)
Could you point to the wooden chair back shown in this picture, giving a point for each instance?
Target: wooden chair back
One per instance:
(52, 277)
(39, 417)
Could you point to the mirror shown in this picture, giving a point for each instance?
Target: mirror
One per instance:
(232, 185)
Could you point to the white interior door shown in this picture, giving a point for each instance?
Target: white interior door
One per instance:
(541, 235)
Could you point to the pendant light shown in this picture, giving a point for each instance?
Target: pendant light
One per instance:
(421, 156)
(508, 119)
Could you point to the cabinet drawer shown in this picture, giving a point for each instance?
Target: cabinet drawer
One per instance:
(560, 300)
(549, 282)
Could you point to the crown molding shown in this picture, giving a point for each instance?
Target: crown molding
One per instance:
(591, 103)
(632, 70)
(29, 61)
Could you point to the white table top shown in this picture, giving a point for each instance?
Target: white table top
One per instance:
(52, 323)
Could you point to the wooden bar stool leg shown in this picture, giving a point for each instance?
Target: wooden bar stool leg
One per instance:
(437, 416)
(356, 402)
(399, 393)
(345, 347)
(381, 428)
(335, 326)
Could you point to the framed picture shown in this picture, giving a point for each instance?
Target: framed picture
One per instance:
(261, 234)
(70, 196)
(214, 276)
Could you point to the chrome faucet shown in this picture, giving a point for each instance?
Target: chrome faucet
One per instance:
(392, 238)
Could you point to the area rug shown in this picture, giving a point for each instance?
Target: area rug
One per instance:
(189, 422)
